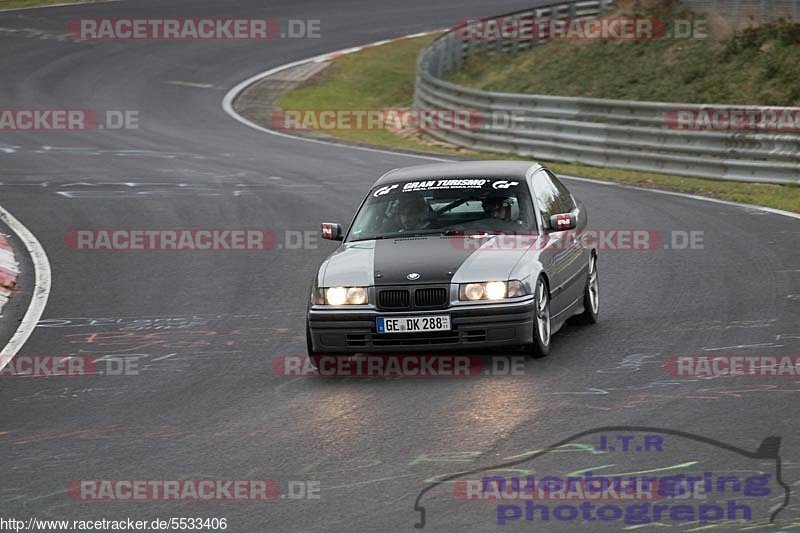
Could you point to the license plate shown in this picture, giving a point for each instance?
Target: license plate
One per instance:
(413, 324)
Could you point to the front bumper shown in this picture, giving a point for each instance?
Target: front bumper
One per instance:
(345, 331)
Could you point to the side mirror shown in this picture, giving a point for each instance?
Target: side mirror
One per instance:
(331, 231)
(563, 222)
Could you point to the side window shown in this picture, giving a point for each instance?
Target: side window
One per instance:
(565, 200)
(547, 197)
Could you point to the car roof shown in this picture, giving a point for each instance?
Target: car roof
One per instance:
(460, 169)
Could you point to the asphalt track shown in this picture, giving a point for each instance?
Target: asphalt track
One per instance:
(206, 403)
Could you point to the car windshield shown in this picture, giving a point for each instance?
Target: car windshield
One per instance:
(446, 207)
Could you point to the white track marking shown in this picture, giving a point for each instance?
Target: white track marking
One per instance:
(230, 96)
(686, 195)
(41, 287)
(227, 102)
(163, 357)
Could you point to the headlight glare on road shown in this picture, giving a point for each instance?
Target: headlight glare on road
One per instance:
(346, 295)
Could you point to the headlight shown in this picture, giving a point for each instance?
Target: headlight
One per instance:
(491, 290)
(357, 295)
(346, 295)
(336, 296)
(495, 290)
(472, 291)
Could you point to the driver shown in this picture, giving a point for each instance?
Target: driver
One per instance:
(413, 213)
(497, 207)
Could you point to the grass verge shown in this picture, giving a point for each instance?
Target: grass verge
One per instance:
(383, 77)
(756, 66)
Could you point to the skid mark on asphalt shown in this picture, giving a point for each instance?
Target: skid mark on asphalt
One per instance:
(630, 399)
(743, 346)
(117, 431)
(367, 482)
(32, 33)
(87, 151)
(723, 325)
(157, 322)
(631, 363)
(146, 194)
(280, 388)
(145, 189)
(171, 344)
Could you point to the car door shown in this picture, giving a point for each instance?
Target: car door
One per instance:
(561, 253)
(577, 256)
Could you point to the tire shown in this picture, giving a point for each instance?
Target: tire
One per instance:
(541, 322)
(591, 294)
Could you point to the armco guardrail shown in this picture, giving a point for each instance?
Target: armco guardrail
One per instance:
(615, 133)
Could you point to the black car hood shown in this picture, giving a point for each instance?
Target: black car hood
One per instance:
(436, 259)
(426, 259)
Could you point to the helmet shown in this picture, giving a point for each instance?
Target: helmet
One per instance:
(497, 206)
(412, 211)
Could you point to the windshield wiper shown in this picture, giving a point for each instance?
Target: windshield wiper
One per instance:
(408, 235)
(396, 236)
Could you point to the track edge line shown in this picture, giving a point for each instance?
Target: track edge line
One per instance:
(41, 287)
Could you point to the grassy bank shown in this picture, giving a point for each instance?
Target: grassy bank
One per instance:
(375, 78)
(757, 66)
(383, 77)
